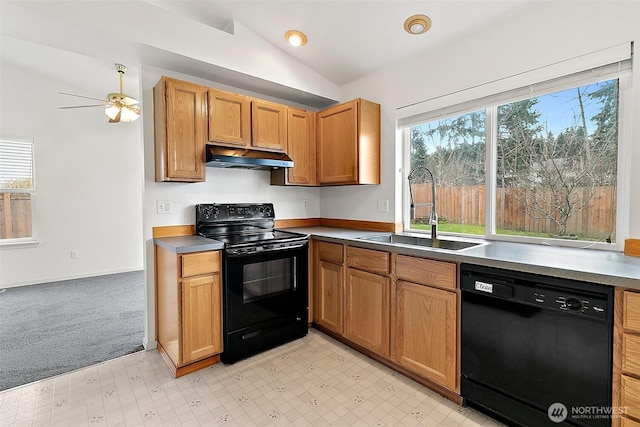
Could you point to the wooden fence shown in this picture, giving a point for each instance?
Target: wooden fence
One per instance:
(15, 215)
(466, 205)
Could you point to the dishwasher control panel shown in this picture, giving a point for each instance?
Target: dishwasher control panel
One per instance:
(567, 300)
(565, 295)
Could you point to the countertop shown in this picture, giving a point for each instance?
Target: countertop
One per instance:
(188, 244)
(590, 265)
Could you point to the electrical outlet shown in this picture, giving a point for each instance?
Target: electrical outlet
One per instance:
(305, 204)
(74, 254)
(383, 206)
(164, 206)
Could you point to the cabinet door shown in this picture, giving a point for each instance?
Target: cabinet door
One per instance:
(328, 312)
(201, 317)
(337, 132)
(301, 147)
(269, 125)
(367, 310)
(179, 131)
(426, 332)
(229, 118)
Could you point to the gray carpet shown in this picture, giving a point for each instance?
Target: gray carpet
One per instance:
(58, 327)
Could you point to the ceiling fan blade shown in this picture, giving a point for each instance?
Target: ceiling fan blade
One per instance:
(81, 96)
(83, 106)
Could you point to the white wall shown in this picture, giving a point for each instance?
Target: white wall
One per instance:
(88, 173)
(548, 33)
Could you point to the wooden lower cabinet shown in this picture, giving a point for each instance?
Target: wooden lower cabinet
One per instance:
(398, 309)
(189, 309)
(626, 355)
(201, 321)
(626, 422)
(425, 326)
(328, 292)
(367, 310)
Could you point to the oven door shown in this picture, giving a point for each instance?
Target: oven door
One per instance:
(266, 299)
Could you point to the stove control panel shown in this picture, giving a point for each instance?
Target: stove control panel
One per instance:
(233, 212)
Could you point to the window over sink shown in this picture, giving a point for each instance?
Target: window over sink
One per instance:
(544, 163)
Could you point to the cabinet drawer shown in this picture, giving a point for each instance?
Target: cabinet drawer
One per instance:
(631, 354)
(331, 252)
(630, 396)
(200, 263)
(369, 260)
(631, 311)
(426, 272)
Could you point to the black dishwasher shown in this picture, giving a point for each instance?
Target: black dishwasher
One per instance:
(536, 350)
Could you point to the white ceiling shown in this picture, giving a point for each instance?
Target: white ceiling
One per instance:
(350, 38)
(347, 38)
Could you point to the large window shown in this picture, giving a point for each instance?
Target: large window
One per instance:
(16, 189)
(541, 168)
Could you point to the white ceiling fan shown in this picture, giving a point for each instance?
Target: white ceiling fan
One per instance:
(119, 107)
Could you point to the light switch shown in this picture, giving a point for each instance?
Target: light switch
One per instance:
(164, 206)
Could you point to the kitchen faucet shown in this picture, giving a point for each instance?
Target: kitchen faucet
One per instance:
(433, 216)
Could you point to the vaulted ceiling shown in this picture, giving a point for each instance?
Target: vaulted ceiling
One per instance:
(347, 38)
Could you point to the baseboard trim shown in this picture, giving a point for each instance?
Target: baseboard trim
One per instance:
(71, 277)
(187, 369)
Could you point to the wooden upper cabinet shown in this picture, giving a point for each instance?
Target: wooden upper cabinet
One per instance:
(268, 125)
(229, 118)
(180, 133)
(348, 138)
(240, 121)
(301, 147)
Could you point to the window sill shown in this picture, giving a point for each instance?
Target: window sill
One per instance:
(19, 243)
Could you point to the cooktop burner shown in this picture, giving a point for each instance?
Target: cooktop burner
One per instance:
(241, 224)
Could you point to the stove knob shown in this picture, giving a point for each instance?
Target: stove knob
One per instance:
(573, 304)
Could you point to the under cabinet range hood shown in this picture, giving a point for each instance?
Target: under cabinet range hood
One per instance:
(238, 158)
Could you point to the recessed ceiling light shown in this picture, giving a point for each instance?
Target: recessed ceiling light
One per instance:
(295, 37)
(417, 24)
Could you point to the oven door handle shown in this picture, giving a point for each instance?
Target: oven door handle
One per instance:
(263, 251)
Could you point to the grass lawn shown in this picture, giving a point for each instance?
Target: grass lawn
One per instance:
(477, 230)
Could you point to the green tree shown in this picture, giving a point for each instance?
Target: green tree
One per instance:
(519, 140)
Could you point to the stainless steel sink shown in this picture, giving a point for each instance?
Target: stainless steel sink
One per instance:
(403, 239)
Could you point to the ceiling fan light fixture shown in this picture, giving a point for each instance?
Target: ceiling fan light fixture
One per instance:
(295, 38)
(112, 112)
(417, 24)
(128, 115)
(122, 113)
(119, 107)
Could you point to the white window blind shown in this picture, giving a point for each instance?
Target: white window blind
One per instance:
(16, 166)
(450, 105)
